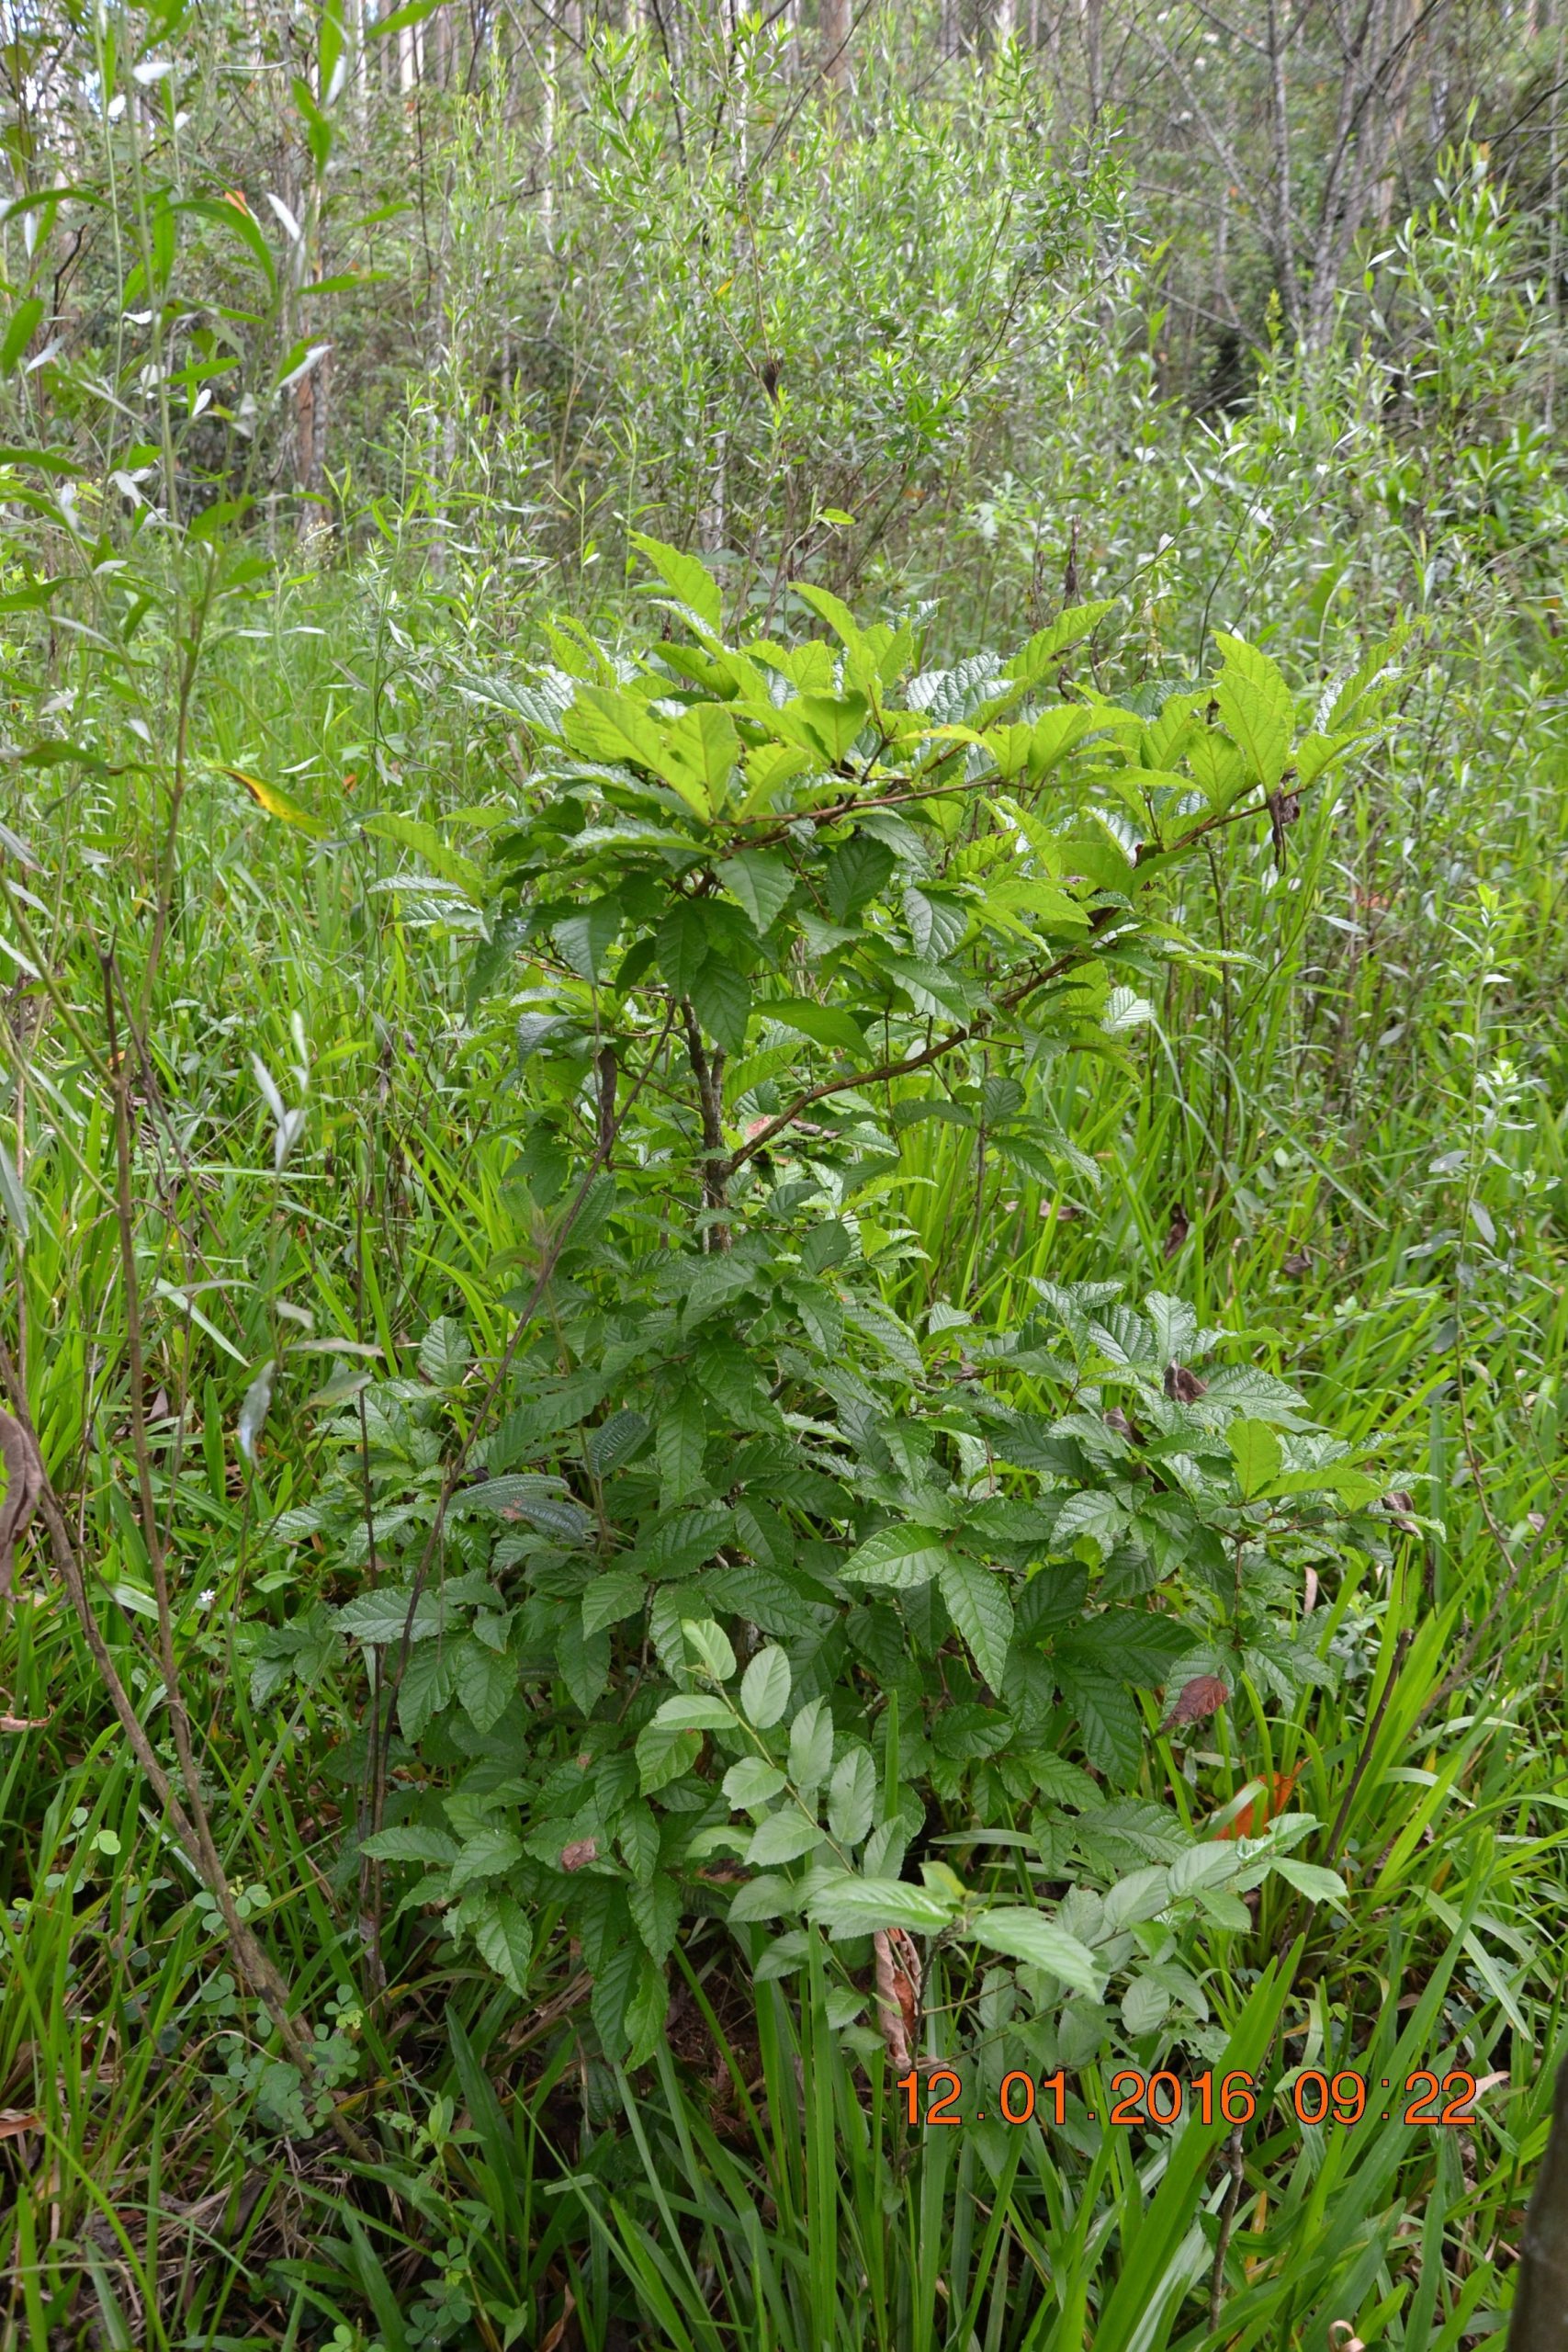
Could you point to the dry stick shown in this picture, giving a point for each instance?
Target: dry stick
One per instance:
(197, 1835)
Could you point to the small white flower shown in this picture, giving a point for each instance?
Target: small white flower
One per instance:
(204, 1599)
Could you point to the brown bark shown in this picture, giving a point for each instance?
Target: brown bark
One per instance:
(1541, 2301)
(834, 24)
(1380, 53)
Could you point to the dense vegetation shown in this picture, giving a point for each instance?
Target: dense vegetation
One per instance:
(783, 870)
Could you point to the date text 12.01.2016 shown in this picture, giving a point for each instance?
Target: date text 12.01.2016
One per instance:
(1161, 2100)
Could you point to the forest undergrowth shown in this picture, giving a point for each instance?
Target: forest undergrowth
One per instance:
(789, 1317)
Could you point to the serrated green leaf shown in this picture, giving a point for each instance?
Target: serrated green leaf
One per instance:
(490, 1852)
(427, 1684)
(408, 1843)
(690, 580)
(851, 1795)
(900, 1556)
(637, 1836)
(584, 1663)
(656, 1914)
(710, 1645)
(484, 1682)
(694, 1711)
(1028, 1936)
(1109, 1722)
(849, 1905)
(979, 1604)
(664, 1754)
(617, 1594)
(646, 2010)
(752, 1782)
(1258, 1456)
(811, 1746)
(679, 1442)
(761, 881)
(768, 1897)
(615, 1440)
(410, 832)
(782, 1838)
(721, 999)
(824, 1025)
(1317, 1884)
(1143, 2006)
(619, 1971)
(504, 1941)
(701, 749)
(1257, 706)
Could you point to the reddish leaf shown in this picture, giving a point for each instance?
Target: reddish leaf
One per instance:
(1196, 1701)
(1251, 1821)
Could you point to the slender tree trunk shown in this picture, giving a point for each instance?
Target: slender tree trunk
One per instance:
(1004, 22)
(1540, 2299)
(1091, 27)
(1280, 129)
(835, 18)
(1380, 55)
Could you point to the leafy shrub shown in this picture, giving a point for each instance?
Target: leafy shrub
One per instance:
(758, 1592)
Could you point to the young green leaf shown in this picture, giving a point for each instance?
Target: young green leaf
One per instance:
(764, 1687)
(1258, 1456)
(690, 580)
(710, 1645)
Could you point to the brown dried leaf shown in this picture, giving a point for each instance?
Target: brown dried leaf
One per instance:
(1180, 1227)
(898, 1980)
(579, 1853)
(1196, 1701)
(14, 2122)
(551, 2342)
(1182, 1387)
(25, 1723)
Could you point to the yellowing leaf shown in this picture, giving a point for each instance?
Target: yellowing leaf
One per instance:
(277, 803)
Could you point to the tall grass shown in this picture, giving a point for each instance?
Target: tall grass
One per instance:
(1352, 1136)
